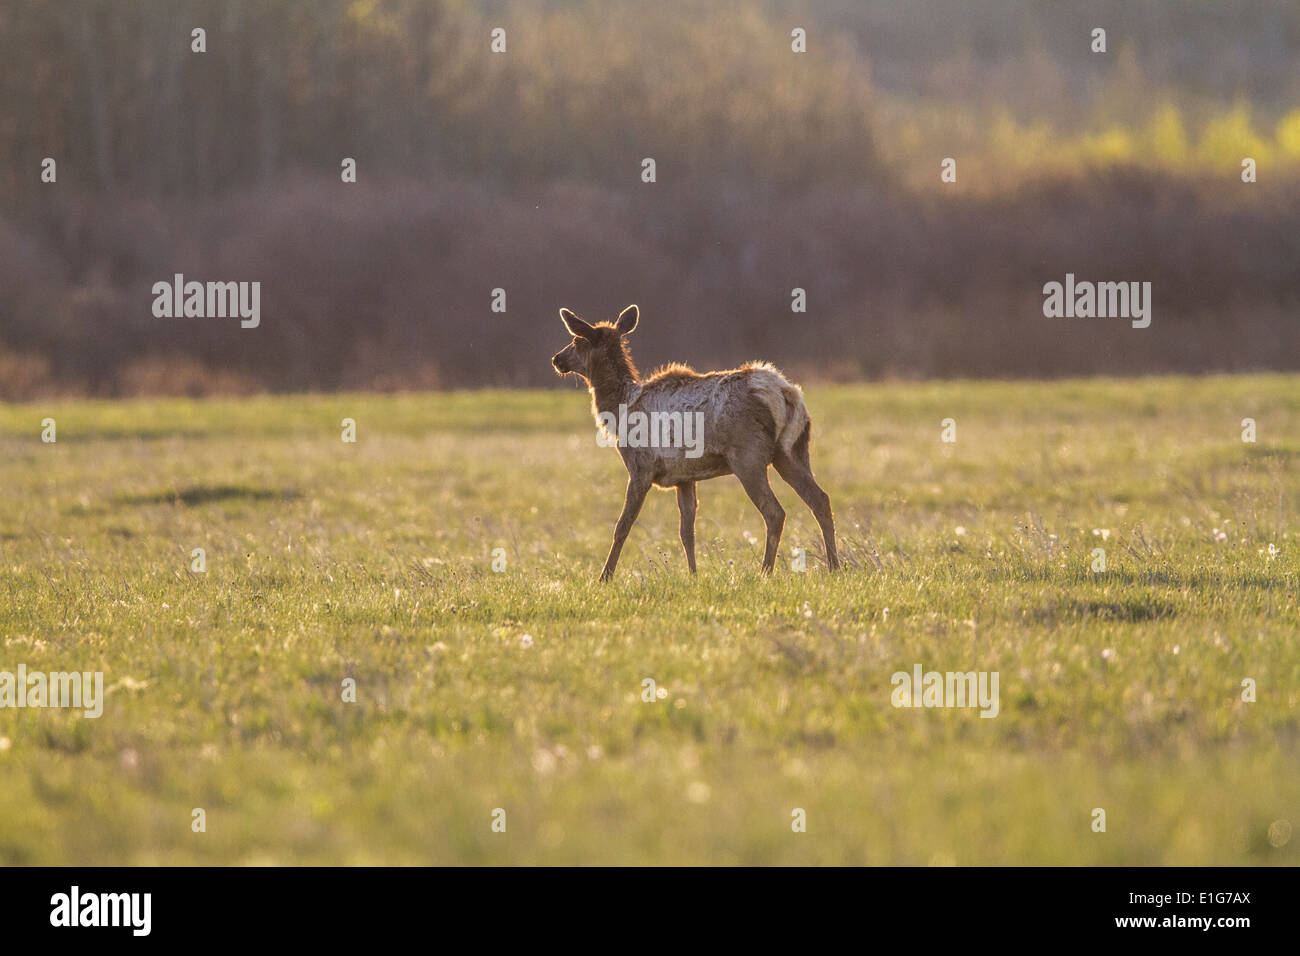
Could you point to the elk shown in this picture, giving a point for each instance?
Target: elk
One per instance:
(750, 417)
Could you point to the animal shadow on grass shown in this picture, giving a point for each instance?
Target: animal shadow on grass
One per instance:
(207, 494)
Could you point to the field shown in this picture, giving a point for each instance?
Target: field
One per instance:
(521, 689)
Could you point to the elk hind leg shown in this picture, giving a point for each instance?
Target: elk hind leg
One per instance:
(754, 479)
(798, 475)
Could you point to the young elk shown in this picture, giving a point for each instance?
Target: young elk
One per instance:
(744, 420)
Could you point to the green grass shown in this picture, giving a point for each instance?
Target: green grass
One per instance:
(1119, 690)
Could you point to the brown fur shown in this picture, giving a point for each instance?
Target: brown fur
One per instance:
(753, 418)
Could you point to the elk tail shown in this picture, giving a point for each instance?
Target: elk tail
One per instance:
(796, 433)
(791, 425)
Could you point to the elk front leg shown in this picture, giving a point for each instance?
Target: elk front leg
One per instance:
(636, 492)
(686, 503)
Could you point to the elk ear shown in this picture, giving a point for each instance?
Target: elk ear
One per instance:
(575, 325)
(627, 319)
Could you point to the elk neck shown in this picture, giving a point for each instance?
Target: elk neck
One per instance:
(614, 382)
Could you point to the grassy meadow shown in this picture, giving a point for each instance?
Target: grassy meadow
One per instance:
(522, 689)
